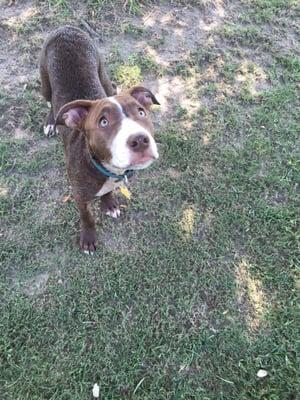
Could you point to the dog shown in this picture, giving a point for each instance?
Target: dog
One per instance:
(106, 135)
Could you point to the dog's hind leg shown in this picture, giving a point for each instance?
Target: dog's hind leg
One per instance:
(110, 206)
(45, 82)
(47, 94)
(49, 129)
(109, 87)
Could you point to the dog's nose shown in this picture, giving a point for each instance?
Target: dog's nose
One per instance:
(139, 142)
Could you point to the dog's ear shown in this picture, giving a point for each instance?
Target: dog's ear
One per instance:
(144, 96)
(73, 114)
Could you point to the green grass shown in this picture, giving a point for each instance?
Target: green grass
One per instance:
(195, 288)
(245, 36)
(134, 30)
(130, 72)
(266, 11)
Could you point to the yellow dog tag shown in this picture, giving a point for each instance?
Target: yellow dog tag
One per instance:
(125, 192)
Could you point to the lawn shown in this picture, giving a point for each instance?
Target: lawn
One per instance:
(194, 289)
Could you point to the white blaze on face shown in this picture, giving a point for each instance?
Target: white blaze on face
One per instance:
(121, 153)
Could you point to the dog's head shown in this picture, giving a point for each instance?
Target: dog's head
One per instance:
(118, 129)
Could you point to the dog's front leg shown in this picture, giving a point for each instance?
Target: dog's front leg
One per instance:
(87, 228)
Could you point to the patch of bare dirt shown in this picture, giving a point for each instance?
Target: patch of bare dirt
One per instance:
(36, 285)
(171, 34)
(39, 283)
(14, 72)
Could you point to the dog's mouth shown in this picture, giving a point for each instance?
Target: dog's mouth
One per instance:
(142, 161)
(138, 163)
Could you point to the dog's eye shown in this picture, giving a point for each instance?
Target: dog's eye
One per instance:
(142, 112)
(103, 122)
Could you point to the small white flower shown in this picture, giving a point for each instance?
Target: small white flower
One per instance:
(96, 391)
(262, 373)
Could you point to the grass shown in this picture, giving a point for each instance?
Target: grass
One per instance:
(195, 288)
(133, 30)
(129, 73)
(265, 11)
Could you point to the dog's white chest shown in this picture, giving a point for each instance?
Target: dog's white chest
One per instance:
(109, 186)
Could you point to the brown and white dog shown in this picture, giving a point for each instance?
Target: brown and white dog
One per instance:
(104, 134)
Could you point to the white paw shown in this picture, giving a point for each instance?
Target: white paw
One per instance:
(49, 130)
(114, 214)
(89, 252)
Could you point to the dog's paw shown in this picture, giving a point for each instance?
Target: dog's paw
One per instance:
(49, 130)
(110, 206)
(88, 242)
(113, 213)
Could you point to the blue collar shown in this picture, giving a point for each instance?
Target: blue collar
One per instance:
(104, 171)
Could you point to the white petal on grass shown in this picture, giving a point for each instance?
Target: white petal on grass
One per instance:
(96, 391)
(262, 373)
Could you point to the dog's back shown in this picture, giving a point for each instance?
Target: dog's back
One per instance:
(71, 68)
